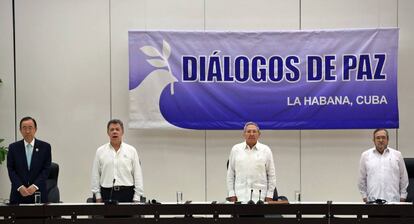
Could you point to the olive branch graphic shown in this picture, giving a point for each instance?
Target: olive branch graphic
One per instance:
(159, 60)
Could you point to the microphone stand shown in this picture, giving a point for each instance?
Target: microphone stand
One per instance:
(110, 201)
(251, 202)
(260, 202)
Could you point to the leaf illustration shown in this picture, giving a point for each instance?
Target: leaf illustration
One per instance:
(150, 51)
(159, 63)
(166, 49)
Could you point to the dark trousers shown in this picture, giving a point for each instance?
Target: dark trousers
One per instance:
(119, 193)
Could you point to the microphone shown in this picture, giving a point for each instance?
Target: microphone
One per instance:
(251, 202)
(260, 202)
(110, 201)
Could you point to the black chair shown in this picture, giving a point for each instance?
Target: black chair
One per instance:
(409, 163)
(53, 193)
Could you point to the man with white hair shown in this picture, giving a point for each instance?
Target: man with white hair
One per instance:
(251, 171)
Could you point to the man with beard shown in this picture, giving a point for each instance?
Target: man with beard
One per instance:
(382, 172)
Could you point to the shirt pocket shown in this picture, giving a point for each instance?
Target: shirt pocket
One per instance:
(391, 166)
(260, 163)
(126, 163)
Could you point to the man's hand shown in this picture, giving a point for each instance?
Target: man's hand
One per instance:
(232, 199)
(402, 199)
(365, 200)
(267, 199)
(24, 191)
(32, 189)
(99, 200)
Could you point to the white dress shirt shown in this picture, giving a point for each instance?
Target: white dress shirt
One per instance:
(382, 176)
(122, 165)
(251, 169)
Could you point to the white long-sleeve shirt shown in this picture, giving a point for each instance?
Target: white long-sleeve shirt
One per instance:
(122, 165)
(382, 176)
(251, 169)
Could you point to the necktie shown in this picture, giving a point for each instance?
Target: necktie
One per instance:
(29, 152)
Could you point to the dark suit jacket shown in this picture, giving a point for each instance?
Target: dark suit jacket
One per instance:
(20, 174)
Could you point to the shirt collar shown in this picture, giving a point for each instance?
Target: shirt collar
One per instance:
(247, 147)
(31, 143)
(112, 148)
(386, 150)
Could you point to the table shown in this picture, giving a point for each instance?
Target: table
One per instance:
(203, 212)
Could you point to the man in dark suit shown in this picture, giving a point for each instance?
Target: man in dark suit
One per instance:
(28, 163)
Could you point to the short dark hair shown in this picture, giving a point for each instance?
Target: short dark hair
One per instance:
(26, 119)
(115, 121)
(381, 129)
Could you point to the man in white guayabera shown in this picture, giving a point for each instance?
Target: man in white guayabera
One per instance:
(382, 172)
(116, 173)
(251, 172)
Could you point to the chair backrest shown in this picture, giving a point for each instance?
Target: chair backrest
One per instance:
(53, 193)
(409, 163)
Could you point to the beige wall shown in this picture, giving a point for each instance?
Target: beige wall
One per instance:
(6, 88)
(72, 75)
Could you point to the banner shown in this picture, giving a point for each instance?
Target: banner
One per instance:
(321, 79)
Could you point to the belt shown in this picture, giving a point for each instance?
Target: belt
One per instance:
(119, 188)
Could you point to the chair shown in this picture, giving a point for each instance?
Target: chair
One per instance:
(53, 193)
(409, 163)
